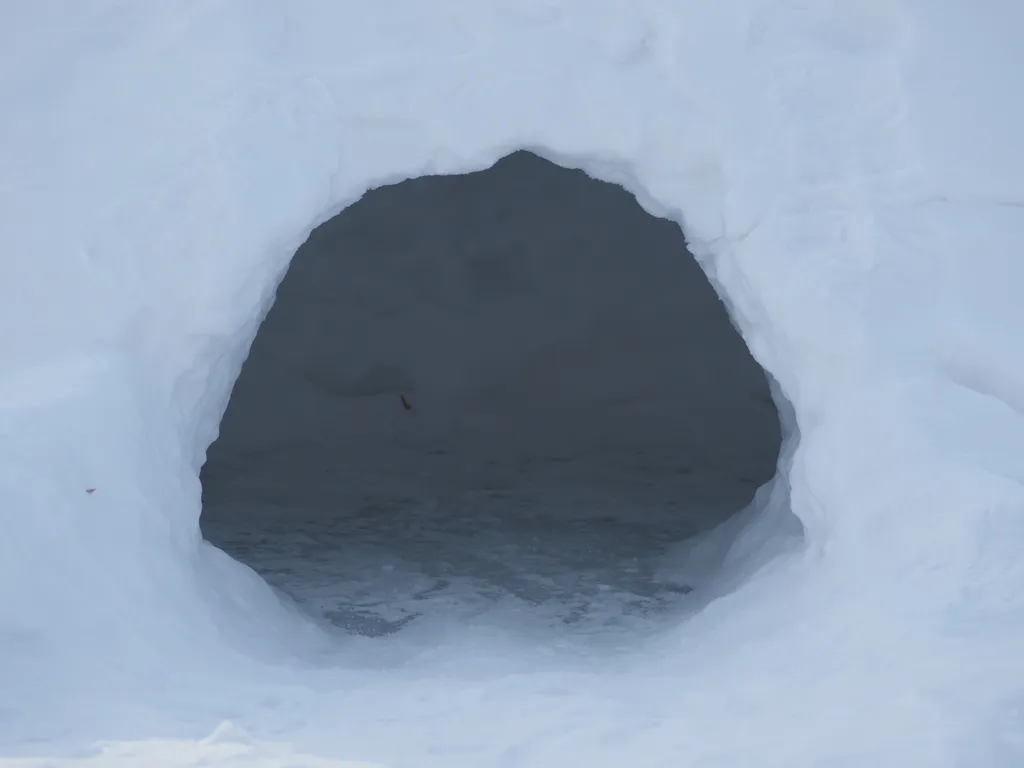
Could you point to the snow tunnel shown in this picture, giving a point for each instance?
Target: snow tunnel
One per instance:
(511, 394)
(848, 179)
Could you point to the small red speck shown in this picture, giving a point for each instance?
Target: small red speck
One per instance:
(89, 490)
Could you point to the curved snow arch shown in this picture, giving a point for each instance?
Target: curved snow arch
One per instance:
(326, 375)
(731, 552)
(745, 541)
(183, 235)
(860, 211)
(179, 214)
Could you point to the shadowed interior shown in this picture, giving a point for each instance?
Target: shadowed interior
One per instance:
(511, 389)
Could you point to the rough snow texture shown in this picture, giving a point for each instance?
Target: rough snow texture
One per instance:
(848, 173)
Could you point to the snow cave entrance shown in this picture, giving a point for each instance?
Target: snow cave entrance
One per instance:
(498, 397)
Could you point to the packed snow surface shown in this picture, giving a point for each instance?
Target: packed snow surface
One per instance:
(849, 177)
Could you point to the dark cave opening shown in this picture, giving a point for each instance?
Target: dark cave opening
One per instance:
(510, 390)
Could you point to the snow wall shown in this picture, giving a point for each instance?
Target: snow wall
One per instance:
(848, 174)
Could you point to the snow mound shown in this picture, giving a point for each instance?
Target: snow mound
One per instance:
(849, 176)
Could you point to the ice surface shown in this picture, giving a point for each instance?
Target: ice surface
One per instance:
(849, 175)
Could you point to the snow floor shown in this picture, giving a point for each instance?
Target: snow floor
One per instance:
(514, 623)
(571, 547)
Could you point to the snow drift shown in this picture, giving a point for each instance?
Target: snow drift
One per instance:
(849, 176)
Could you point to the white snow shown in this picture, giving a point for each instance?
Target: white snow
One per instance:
(849, 174)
